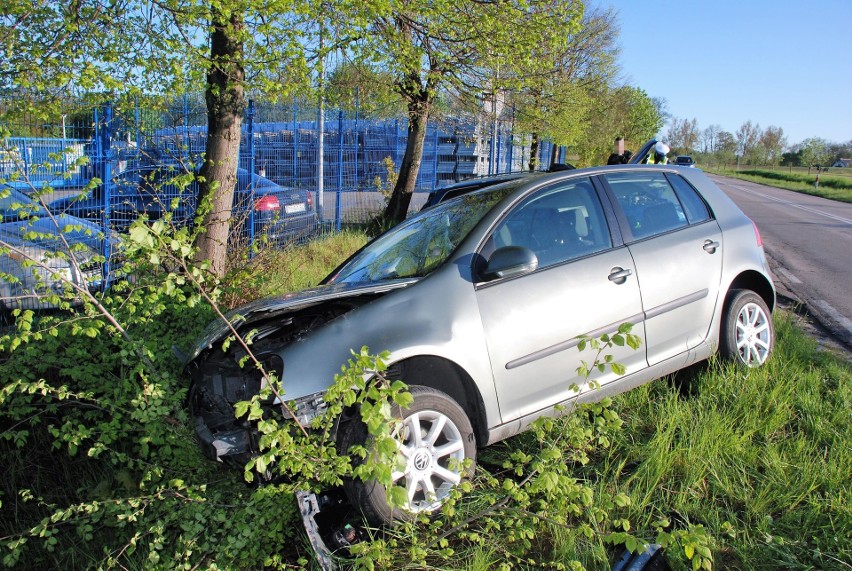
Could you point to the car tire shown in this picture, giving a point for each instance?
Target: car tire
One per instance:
(747, 335)
(434, 463)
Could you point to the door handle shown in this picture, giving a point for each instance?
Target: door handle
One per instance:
(710, 246)
(619, 275)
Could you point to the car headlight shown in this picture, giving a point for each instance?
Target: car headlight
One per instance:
(308, 407)
(40, 271)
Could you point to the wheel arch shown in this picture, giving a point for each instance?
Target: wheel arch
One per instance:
(754, 281)
(448, 377)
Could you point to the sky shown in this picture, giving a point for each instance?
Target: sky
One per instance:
(724, 62)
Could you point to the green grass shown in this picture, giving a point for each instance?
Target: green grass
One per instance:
(761, 458)
(272, 272)
(830, 186)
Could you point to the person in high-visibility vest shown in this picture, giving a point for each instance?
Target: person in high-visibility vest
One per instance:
(658, 157)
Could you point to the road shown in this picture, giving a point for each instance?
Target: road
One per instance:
(809, 244)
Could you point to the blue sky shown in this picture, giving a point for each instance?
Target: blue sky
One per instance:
(784, 63)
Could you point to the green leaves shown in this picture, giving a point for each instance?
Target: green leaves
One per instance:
(601, 362)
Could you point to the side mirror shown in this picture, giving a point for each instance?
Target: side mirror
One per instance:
(510, 261)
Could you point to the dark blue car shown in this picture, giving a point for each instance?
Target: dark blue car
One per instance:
(280, 214)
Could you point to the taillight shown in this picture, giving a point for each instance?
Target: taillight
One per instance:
(757, 234)
(267, 203)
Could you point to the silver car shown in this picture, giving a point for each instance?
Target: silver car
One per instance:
(481, 301)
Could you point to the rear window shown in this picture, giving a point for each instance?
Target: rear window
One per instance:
(696, 209)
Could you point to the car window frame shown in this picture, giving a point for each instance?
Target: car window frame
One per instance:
(486, 246)
(623, 221)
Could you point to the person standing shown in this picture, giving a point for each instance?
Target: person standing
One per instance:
(658, 157)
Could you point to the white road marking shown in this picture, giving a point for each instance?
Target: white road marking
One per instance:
(834, 314)
(794, 205)
(788, 275)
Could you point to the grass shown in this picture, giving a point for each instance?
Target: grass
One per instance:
(762, 458)
(832, 187)
(273, 271)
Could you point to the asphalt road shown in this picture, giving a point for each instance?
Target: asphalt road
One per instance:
(808, 241)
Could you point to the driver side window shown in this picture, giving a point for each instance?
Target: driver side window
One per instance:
(559, 223)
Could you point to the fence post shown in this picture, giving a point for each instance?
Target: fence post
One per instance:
(339, 168)
(356, 141)
(435, 163)
(64, 147)
(251, 185)
(295, 147)
(137, 118)
(499, 148)
(106, 176)
(509, 165)
(186, 126)
(396, 144)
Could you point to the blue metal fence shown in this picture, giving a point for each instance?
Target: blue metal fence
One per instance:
(135, 151)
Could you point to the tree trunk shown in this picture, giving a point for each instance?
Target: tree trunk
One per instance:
(554, 154)
(534, 152)
(418, 116)
(225, 105)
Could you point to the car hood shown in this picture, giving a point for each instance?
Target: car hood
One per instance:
(280, 305)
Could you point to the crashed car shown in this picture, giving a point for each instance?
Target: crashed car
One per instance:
(482, 300)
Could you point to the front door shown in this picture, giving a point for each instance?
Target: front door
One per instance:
(582, 285)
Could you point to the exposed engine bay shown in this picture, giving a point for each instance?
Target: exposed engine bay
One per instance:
(222, 378)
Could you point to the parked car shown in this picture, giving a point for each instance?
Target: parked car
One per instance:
(279, 213)
(481, 302)
(34, 262)
(684, 161)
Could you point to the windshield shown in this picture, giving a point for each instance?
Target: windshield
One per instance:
(421, 243)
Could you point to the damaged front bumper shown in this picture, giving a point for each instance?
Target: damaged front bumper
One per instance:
(221, 434)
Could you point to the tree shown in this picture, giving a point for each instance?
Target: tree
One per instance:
(435, 45)
(709, 139)
(170, 47)
(682, 135)
(791, 159)
(747, 137)
(624, 111)
(726, 147)
(771, 144)
(358, 86)
(555, 105)
(815, 151)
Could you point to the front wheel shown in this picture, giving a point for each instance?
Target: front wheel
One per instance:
(747, 335)
(435, 439)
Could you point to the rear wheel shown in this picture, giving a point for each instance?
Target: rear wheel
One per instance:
(434, 441)
(747, 335)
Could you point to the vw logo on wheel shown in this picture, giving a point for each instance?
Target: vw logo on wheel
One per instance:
(422, 460)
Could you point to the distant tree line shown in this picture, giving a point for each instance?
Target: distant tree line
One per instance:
(750, 145)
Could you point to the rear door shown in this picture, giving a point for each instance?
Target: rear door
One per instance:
(677, 248)
(584, 284)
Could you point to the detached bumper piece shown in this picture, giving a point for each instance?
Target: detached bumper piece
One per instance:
(331, 524)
